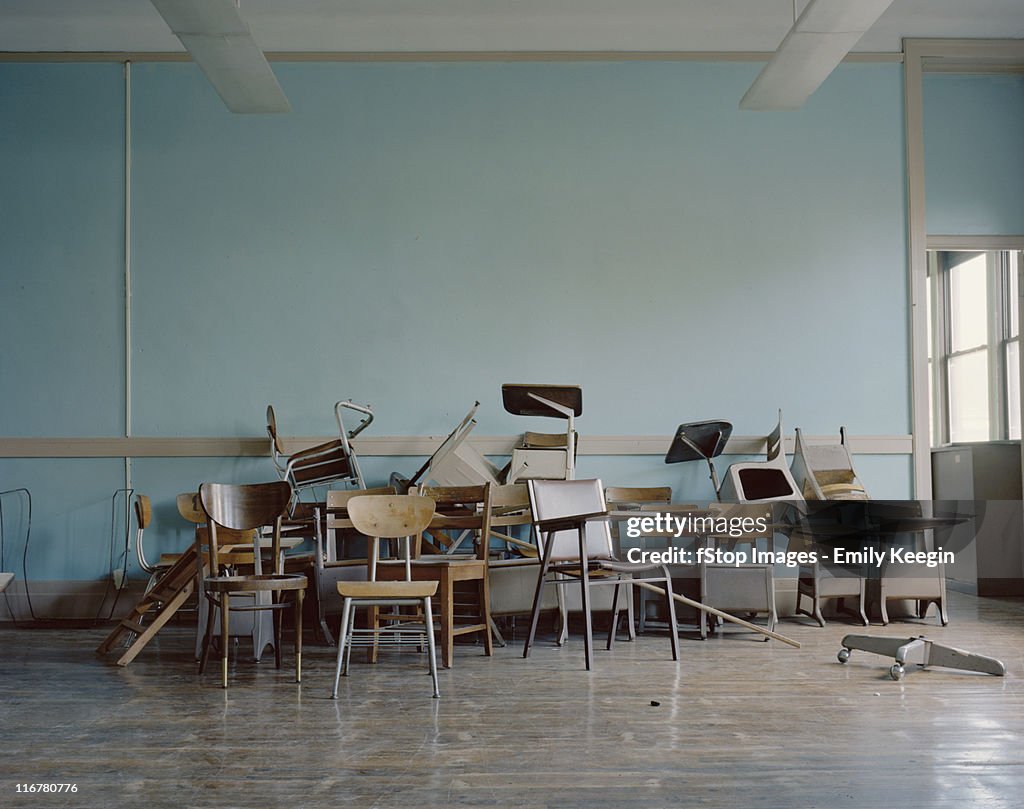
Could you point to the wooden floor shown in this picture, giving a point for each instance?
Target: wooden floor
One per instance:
(740, 723)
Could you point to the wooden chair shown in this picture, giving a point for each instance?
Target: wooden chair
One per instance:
(635, 498)
(247, 508)
(235, 552)
(329, 569)
(458, 508)
(388, 517)
(571, 519)
(511, 577)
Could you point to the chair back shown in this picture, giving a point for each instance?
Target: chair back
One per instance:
(245, 507)
(462, 508)
(633, 498)
(143, 511)
(775, 440)
(143, 517)
(552, 499)
(390, 516)
(276, 447)
(191, 508)
(624, 496)
(338, 499)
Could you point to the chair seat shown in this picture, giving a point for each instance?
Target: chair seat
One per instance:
(241, 584)
(387, 589)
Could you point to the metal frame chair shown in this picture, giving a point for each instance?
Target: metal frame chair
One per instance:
(331, 462)
(571, 519)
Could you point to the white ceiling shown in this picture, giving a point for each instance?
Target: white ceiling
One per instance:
(491, 25)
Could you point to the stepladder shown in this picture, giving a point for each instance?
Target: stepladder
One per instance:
(159, 604)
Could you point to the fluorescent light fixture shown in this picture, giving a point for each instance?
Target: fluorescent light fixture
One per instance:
(218, 39)
(822, 35)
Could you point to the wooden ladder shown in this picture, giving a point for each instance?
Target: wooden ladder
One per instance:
(166, 597)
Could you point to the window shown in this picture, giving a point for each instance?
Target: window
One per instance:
(974, 345)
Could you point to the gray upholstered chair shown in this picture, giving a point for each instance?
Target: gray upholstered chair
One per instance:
(571, 520)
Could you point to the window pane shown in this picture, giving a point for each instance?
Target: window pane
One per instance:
(1013, 388)
(968, 397)
(968, 303)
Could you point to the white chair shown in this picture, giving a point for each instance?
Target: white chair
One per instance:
(825, 471)
(571, 520)
(762, 481)
(739, 588)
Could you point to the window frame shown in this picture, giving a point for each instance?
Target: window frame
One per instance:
(1000, 275)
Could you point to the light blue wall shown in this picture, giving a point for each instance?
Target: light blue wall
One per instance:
(974, 157)
(413, 235)
(61, 249)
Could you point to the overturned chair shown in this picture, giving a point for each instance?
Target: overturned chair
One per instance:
(332, 462)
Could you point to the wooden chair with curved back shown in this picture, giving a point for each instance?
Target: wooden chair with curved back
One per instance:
(248, 508)
(234, 551)
(396, 516)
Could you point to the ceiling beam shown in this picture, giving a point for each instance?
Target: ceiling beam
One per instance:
(220, 42)
(818, 41)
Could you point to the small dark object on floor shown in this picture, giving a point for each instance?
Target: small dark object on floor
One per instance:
(655, 703)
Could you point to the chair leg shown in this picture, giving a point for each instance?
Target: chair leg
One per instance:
(630, 616)
(207, 642)
(673, 628)
(351, 634)
(446, 599)
(588, 636)
(485, 614)
(817, 612)
(275, 599)
(298, 635)
(429, 620)
(225, 609)
(615, 617)
(535, 611)
(343, 640)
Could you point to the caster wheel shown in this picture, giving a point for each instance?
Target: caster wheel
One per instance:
(897, 671)
(844, 655)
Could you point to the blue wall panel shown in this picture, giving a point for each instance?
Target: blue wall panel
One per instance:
(413, 235)
(61, 249)
(974, 160)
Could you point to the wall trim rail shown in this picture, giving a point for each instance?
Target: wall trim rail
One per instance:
(388, 445)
